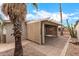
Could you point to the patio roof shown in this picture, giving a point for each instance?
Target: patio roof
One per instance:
(41, 20)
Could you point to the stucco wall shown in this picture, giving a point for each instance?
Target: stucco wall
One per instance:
(77, 30)
(9, 31)
(10, 38)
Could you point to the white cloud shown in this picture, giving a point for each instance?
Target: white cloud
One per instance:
(75, 18)
(30, 16)
(55, 15)
(44, 14)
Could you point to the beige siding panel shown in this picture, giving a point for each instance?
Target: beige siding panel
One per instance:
(24, 34)
(34, 32)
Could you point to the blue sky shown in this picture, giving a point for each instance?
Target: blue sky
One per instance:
(70, 11)
(50, 7)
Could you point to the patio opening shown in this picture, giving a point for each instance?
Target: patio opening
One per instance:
(50, 32)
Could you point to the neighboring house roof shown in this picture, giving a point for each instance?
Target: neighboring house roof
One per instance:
(76, 23)
(7, 21)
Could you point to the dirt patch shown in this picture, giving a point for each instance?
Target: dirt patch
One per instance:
(73, 49)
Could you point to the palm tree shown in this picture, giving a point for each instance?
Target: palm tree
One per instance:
(60, 8)
(16, 13)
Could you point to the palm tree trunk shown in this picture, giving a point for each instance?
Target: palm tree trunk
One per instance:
(15, 19)
(18, 47)
(17, 34)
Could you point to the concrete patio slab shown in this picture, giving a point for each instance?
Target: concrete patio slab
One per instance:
(53, 47)
(8, 46)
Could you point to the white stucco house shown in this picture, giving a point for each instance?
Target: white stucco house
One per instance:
(77, 29)
(8, 31)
